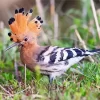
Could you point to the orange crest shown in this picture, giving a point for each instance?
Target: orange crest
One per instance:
(20, 25)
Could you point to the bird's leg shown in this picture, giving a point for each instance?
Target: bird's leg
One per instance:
(50, 83)
(16, 71)
(51, 79)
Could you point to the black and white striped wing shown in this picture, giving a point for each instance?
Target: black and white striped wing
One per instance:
(56, 55)
(54, 61)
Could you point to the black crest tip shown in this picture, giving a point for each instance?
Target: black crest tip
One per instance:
(30, 11)
(41, 21)
(16, 11)
(21, 10)
(38, 18)
(11, 20)
(9, 34)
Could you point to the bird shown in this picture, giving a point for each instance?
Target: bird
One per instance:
(53, 61)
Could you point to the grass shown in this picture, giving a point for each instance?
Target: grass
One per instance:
(78, 83)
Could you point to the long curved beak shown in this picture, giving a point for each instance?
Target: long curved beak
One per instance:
(13, 45)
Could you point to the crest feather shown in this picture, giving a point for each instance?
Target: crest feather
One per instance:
(20, 25)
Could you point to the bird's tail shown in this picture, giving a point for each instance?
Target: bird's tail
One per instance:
(92, 52)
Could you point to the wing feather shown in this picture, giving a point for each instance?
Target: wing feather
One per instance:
(56, 55)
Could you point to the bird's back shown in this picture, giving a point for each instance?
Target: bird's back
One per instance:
(54, 60)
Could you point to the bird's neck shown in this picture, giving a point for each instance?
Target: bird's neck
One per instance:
(28, 55)
(30, 49)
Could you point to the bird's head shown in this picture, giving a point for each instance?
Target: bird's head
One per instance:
(24, 31)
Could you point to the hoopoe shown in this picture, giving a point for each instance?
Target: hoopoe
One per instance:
(53, 60)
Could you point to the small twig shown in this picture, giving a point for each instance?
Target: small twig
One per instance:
(16, 70)
(1, 26)
(80, 39)
(33, 95)
(76, 71)
(83, 43)
(97, 86)
(23, 90)
(25, 75)
(52, 8)
(40, 10)
(5, 90)
(37, 96)
(4, 94)
(54, 17)
(56, 26)
(95, 17)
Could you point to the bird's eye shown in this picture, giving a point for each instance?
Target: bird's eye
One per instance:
(25, 39)
(36, 22)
